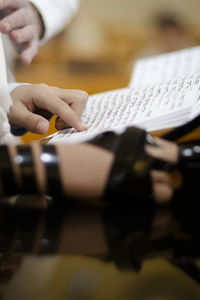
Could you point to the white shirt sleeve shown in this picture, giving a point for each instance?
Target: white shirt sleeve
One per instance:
(56, 14)
(14, 85)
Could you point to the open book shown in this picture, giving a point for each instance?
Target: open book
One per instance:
(164, 92)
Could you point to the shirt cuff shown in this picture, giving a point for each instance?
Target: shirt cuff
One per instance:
(55, 15)
(14, 85)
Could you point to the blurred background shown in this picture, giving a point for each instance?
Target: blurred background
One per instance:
(97, 51)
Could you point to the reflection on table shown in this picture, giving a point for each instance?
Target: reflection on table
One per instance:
(68, 250)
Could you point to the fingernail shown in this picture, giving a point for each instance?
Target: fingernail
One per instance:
(42, 127)
(82, 125)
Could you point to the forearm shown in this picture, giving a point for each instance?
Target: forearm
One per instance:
(87, 169)
(83, 169)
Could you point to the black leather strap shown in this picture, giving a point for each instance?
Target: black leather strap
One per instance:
(108, 140)
(129, 178)
(51, 161)
(127, 233)
(8, 181)
(24, 159)
(182, 130)
(52, 230)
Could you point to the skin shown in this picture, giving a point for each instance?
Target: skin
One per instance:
(22, 22)
(87, 182)
(164, 183)
(31, 103)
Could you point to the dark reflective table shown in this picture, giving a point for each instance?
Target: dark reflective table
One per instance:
(75, 251)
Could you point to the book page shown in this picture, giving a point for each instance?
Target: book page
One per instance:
(153, 107)
(166, 67)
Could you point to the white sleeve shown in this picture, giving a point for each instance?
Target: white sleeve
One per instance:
(56, 14)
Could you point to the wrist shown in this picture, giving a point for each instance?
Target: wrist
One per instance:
(13, 85)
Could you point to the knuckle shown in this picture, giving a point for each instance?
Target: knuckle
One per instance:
(41, 86)
(83, 97)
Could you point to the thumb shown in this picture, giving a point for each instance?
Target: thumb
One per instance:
(33, 122)
(36, 123)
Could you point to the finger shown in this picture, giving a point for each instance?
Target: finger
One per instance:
(60, 124)
(51, 102)
(29, 52)
(70, 95)
(14, 4)
(17, 19)
(23, 117)
(26, 34)
(163, 193)
(78, 107)
(173, 178)
(164, 151)
(161, 176)
(77, 100)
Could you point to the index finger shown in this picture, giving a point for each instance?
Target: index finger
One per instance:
(77, 99)
(51, 102)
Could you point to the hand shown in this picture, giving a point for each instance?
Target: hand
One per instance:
(31, 103)
(164, 183)
(24, 25)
